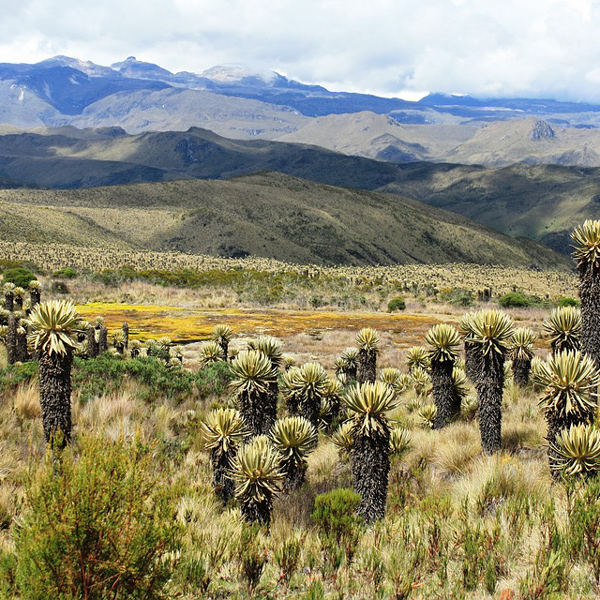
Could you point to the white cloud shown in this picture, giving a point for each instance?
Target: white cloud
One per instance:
(507, 47)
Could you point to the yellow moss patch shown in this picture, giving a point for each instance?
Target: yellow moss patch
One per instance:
(187, 324)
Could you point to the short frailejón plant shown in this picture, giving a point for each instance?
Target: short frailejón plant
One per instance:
(368, 405)
(564, 328)
(367, 341)
(570, 382)
(55, 325)
(258, 479)
(210, 352)
(223, 432)
(309, 385)
(253, 375)
(293, 438)
(444, 342)
(222, 335)
(521, 353)
(577, 451)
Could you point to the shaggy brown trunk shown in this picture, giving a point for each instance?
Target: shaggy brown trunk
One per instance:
(367, 366)
(589, 293)
(444, 396)
(225, 349)
(18, 303)
(11, 340)
(92, 344)
(9, 301)
(521, 368)
(55, 397)
(470, 361)
(102, 340)
(223, 485)
(490, 387)
(370, 471)
(126, 335)
(295, 474)
(252, 408)
(257, 512)
(21, 351)
(310, 409)
(34, 298)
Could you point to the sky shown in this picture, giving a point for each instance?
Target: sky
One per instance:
(526, 48)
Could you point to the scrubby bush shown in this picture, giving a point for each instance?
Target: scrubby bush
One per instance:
(19, 276)
(339, 526)
(98, 525)
(514, 300)
(66, 273)
(567, 301)
(457, 297)
(395, 304)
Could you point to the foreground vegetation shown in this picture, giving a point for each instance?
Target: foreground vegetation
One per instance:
(234, 475)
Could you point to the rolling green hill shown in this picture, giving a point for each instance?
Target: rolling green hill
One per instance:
(267, 215)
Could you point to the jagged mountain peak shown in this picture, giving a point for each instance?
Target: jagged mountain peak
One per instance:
(85, 66)
(541, 130)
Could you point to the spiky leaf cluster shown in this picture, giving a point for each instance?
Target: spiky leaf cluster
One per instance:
(570, 381)
(420, 380)
(491, 331)
(460, 382)
(34, 284)
(367, 339)
(19, 292)
(521, 344)
(564, 328)
(223, 430)
(368, 405)
(342, 438)
(577, 450)
(210, 352)
(444, 342)
(221, 334)
(256, 472)
(399, 441)
(427, 414)
(350, 358)
(269, 346)
(308, 381)
(252, 372)
(9, 287)
(390, 376)
(587, 238)
(417, 357)
(288, 361)
(294, 438)
(403, 383)
(55, 325)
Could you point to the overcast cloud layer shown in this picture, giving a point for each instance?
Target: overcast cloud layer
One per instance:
(533, 48)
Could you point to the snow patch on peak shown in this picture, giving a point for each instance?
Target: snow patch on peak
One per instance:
(235, 72)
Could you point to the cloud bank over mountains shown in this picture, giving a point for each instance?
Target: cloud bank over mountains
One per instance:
(539, 48)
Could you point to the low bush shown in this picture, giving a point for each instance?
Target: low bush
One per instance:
(567, 301)
(395, 304)
(19, 276)
(97, 525)
(66, 273)
(514, 300)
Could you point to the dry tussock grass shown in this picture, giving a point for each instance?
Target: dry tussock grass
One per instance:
(26, 401)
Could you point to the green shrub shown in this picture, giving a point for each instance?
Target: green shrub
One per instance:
(19, 276)
(339, 526)
(13, 375)
(514, 300)
(396, 303)
(98, 525)
(213, 379)
(567, 301)
(94, 377)
(457, 297)
(66, 273)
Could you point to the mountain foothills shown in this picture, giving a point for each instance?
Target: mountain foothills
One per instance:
(267, 215)
(542, 202)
